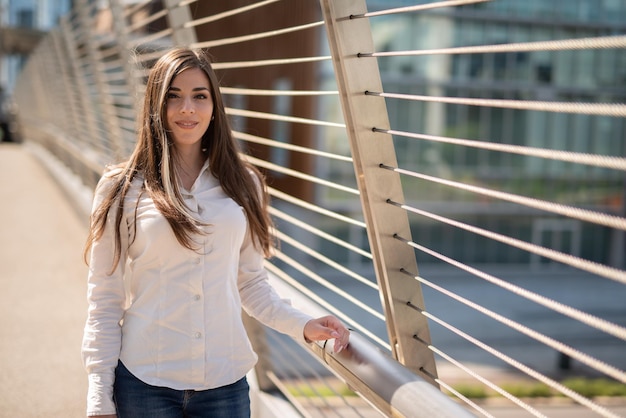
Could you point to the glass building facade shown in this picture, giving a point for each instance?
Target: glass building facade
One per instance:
(28, 14)
(591, 75)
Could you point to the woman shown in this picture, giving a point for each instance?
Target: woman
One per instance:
(176, 248)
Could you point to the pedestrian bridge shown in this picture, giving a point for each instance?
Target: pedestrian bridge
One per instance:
(448, 198)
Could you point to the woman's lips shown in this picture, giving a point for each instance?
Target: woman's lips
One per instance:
(186, 124)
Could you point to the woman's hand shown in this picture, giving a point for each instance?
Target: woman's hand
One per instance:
(325, 328)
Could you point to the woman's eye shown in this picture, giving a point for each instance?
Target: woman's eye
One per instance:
(171, 96)
(201, 96)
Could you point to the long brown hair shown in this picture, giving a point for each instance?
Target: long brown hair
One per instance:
(152, 160)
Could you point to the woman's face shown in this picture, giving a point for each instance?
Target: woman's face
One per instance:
(189, 108)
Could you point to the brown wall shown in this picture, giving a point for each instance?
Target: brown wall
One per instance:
(302, 76)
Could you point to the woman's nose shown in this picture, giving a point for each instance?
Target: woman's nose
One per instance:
(187, 106)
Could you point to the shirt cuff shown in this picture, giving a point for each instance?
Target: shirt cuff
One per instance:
(100, 395)
(300, 319)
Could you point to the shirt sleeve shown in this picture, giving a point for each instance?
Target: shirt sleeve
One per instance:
(260, 300)
(106, 303)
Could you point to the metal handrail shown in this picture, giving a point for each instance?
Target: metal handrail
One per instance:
(388, 385)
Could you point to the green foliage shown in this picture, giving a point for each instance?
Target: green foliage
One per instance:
(589, 388)
(528, 390)
(595, 387)
(319, 390)
(471, 391)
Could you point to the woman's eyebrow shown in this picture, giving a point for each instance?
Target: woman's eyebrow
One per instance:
(194, 89)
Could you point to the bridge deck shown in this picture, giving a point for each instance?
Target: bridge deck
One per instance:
(42, 303)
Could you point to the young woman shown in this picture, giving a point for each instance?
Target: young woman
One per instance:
(176, 247)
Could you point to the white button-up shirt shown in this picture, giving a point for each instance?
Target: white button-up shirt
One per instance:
(170, 314)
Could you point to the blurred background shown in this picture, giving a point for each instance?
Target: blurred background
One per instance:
(591, 75)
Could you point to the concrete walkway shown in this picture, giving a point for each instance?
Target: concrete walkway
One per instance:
(43, 288)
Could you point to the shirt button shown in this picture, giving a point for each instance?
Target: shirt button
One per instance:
(197, 335)
(196, 297)
(197, 260)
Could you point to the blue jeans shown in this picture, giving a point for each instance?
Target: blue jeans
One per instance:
(136, 399)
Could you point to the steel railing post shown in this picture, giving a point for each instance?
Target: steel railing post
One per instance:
(87, 121)
(177, 16)
(347, 37)
(105, 101)
(128, 62)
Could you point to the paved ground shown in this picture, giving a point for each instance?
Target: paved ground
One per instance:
(42, 302)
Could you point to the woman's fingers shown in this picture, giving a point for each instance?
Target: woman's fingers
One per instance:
(325, 328)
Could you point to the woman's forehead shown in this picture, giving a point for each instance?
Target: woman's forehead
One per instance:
(191, 78)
